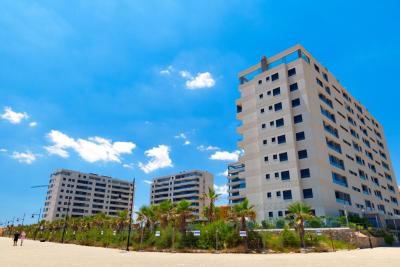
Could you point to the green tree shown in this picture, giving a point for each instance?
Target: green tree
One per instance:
(210, 212)
(299, 212)
(183, 213)
(243, 211)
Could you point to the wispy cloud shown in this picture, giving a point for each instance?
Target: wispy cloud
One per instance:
(128, 165)
(147, 182)
(159, 158)
(91, 150)
(33, 124)
(222, 190)
(226, 155)
(201, 80)
(13, 117)
(24, 157)
(3, 150)
(184, 137)
(207, 148)
(224, 173)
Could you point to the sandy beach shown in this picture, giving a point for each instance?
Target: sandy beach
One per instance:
(34, 253)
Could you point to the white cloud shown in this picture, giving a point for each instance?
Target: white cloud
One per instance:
(159, 158)
(167, 71)
(147, 182)
(3, 150)
(24, 157)
(185, 74)
(225, 173)
(207, 148)
(225, 155)
(14, 117)
(222, 190)
(128, 165)
(184, 137)
(202, 80)
(91, 150)
(33, 124)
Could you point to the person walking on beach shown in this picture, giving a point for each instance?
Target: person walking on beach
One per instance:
(23, 235)
(16, 237)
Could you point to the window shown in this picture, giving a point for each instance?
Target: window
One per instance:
(287, 194)
(270, 214)
(298, 118)
(275, 77)
(292, 72)
(295, 102)
(278, 194)
(316, 68)
(307, 193)
(331, 130)
(262, 110)
(259, 81)
(283, 156)
(285, 175)
(279, 123)
(266, 158)
(327, 114)
(261, 96)
(325, 76)
(319, 82)
(343, 198)
(300, 136)
(339, 179)
(263, 125)
(281, 139)
(276, 91)
(305, 173)
(302, 154)
(293, 87)
(267, 176)
(269, 195)
(334, 146)
(280, 213)
(338, 163)
(264, 141)
(278, 106)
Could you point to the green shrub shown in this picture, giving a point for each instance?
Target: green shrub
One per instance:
(289, 238)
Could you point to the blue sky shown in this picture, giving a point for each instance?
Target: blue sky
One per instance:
(130, 89)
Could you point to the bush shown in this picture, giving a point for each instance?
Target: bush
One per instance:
(289, 238)
(389, 239)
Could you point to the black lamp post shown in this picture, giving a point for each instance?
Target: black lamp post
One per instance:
(65, 221)
(130, 216)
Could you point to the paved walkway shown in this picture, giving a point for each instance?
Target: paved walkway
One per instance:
(34, 253)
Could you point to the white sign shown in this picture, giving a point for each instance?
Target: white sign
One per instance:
(243, 233)
(157, 233)
(196, 232)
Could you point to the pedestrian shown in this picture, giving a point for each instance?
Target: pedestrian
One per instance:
(23, 235)
(16, 237)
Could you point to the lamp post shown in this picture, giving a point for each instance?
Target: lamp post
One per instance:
(65, 221)
(38, 226)
(130, 216)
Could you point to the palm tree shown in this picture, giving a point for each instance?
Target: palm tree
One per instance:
(165, 212)
(299, 212)
(183, 212)
(243, 211)
(212, 196)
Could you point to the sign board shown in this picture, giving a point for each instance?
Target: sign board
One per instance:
(157, 233)
(243, 233)
(196, 232)
(318, 232)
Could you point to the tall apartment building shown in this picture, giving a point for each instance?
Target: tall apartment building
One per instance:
(187, 185)
(86, 194)
(236, 183)
(305, 138)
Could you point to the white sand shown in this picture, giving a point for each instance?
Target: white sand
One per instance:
(34, 253)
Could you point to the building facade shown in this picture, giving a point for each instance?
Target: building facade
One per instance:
(236, 183)
(86, 194)
(305, 138)
(187, 185)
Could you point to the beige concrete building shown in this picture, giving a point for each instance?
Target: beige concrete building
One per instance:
(305, 138)
(187, 185)
(86, 194)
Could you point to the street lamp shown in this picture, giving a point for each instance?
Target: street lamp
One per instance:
(130, 216)
(38, 227)
(65, 221)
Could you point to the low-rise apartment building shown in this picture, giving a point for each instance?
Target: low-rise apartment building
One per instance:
(187, 185)
(86, 194)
